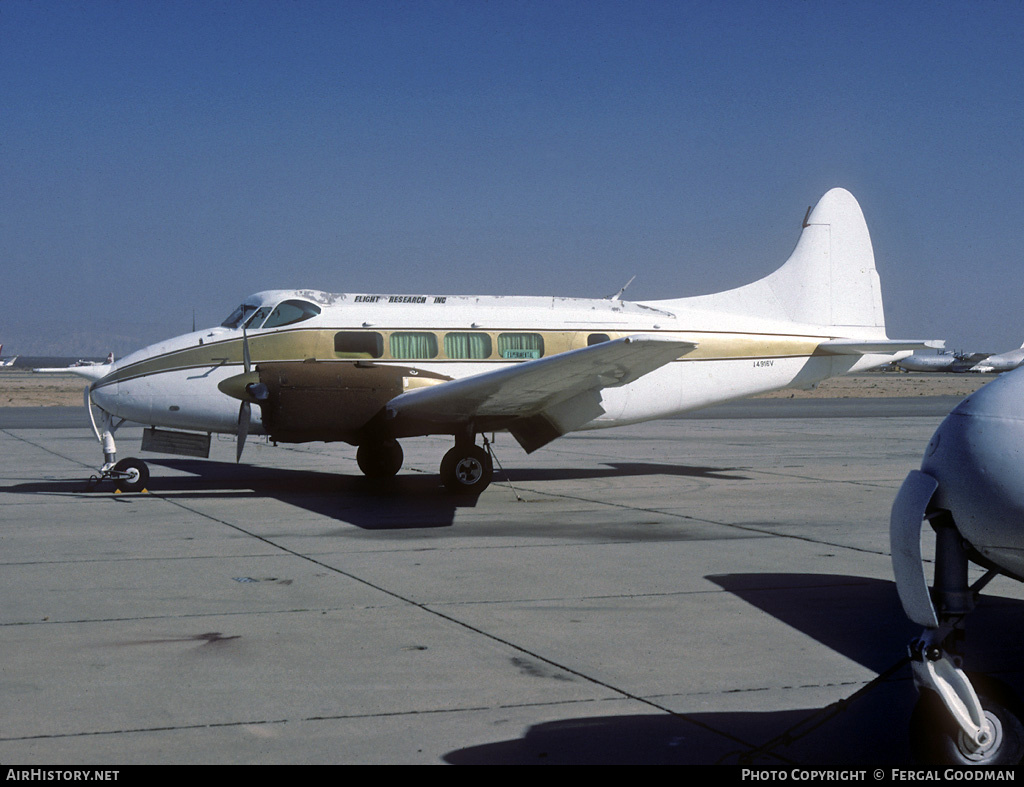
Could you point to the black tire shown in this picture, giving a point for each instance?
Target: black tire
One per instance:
(132, 475)
(467, 470)
(935, 739)
(380, 460)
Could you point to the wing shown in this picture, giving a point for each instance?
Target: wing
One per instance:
(540, 400)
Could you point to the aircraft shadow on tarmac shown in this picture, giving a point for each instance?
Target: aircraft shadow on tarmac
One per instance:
(867, 728)
(407, 501)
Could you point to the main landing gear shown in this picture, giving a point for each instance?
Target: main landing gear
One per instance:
(467, 469)
(379, 460)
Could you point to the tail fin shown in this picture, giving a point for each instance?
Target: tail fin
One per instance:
(828, 280)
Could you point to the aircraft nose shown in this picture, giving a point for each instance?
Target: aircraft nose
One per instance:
(976, 456)
(104, 396)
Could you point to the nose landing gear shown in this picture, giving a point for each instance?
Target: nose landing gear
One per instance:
(128, 475)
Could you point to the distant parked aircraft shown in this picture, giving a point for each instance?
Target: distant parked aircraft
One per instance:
(960, 363)
(4, 363)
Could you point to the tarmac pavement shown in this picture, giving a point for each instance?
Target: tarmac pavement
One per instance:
(686, 591)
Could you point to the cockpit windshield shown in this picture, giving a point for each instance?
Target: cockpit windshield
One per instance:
(239, 315)
(286, 313)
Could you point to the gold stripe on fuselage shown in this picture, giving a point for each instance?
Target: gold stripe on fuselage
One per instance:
(318, 344)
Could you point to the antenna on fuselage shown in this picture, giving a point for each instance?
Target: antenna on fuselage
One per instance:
(618, 295)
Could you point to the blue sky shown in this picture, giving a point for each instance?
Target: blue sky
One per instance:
(164, 158)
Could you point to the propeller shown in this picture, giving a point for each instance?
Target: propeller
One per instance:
(247, 388)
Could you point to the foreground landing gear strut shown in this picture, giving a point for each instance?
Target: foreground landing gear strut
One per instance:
(958, 720)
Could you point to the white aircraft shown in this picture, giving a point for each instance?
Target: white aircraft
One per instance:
(83, 362)
(970, 489)
(370, 369)
(962, 363)
(6, 362)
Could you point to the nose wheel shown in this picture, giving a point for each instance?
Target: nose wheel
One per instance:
(128, 475)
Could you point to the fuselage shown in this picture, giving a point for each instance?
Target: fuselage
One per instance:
(433, 338)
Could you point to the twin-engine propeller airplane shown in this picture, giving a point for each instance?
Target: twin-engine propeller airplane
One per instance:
(371, 369)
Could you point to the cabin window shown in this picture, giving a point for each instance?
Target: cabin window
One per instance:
(520, 346)
(413, 344)
(597, 338)
(474, 346)
(359, 344)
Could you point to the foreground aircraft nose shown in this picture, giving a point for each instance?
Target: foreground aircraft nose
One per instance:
(976, 457)
(970, 490)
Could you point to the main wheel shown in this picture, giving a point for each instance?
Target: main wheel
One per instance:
(130, 475)
(936, 739)
(380, 460)
(467, 470)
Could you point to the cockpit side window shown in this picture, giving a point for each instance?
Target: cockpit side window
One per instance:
(257, 319)
(290, 312)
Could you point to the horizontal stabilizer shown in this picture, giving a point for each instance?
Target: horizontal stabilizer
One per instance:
(858, 347)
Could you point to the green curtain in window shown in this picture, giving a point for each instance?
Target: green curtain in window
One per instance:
(467, 345)
(413, 345)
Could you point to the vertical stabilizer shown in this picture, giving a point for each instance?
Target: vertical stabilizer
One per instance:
(830, 277)
(828, 280)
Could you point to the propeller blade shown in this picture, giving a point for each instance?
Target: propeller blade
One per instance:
(244, 416)
(246, 358)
